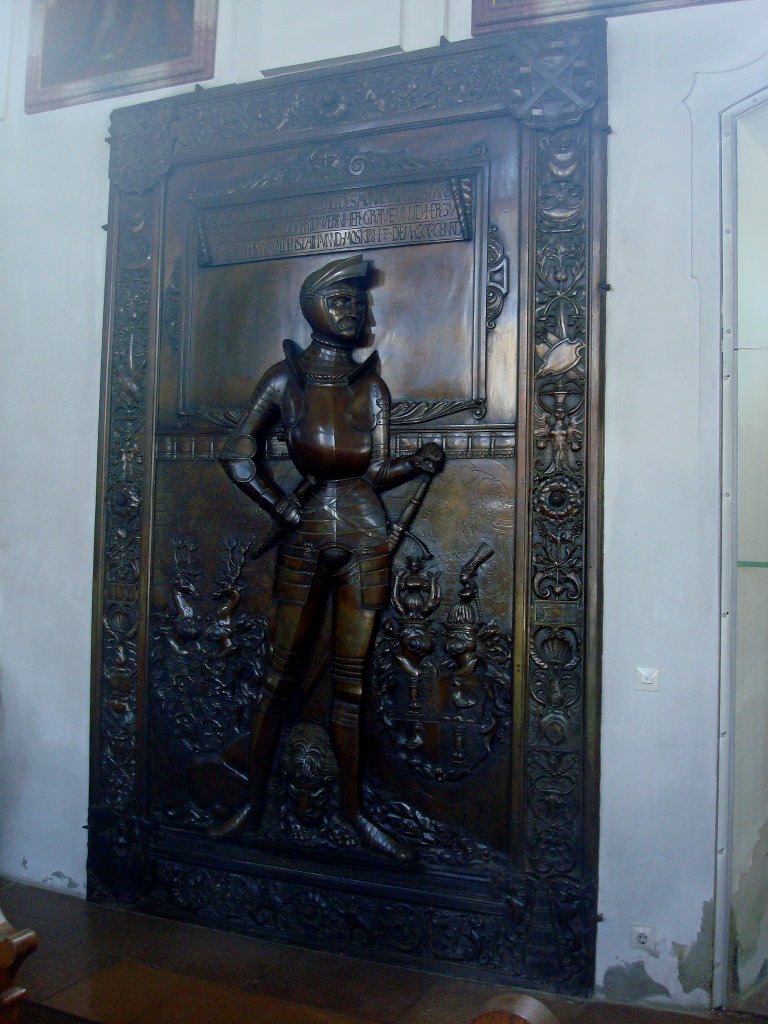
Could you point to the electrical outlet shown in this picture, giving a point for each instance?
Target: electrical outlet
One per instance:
(643, 937)
(647, 679)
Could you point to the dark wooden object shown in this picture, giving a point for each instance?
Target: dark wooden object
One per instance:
(495, 15)
(504, 1017)
(471, 177)
(15, 946)
(516, 1009)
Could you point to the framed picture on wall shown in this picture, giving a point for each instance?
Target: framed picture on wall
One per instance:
(82, 50)
(492, 15)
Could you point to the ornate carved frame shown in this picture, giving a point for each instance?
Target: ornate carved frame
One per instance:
(537, 926)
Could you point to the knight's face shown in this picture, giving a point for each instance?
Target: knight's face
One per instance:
(339, 312)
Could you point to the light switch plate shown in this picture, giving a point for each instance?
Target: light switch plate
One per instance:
(647, 679)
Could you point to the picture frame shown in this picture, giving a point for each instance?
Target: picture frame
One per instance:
(495, 15)
(81, 52)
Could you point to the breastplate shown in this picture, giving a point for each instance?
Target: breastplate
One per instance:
(324, 442)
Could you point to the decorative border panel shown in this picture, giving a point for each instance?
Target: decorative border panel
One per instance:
(557, 498)
(124, 475)
(536, 924)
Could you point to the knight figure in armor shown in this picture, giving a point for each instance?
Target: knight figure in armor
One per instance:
(335, 414)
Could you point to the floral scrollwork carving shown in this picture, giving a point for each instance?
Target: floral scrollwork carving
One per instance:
(501, 942)
(123, 505)
(554, 802)
(549, 77)
(555, 754)
(345, 163)
(173, 306)
(497, 286)
(403, 413)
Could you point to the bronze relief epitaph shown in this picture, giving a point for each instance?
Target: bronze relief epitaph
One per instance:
(334, 536)
(345, 657)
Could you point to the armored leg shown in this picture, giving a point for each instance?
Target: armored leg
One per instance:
(351, 646)
(293, 627)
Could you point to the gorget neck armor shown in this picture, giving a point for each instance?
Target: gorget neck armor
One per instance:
(325, 363)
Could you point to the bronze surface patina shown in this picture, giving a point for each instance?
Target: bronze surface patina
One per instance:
(335, 413)
(346, 692)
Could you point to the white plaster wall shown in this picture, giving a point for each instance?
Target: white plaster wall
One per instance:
(658, 797)
(6, 15)
(750, 713)
(661, 477)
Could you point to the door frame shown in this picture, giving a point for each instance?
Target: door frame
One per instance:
(715, 102)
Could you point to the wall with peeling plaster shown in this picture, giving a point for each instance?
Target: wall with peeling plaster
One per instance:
(661, 477)
(659, 771)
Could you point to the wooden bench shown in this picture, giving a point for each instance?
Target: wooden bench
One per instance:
(15, 947)
(516, 1009)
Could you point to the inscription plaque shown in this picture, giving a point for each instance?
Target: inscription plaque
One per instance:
(410, 213)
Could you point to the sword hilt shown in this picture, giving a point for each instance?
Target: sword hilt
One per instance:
(301, 494)
(412, 506)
